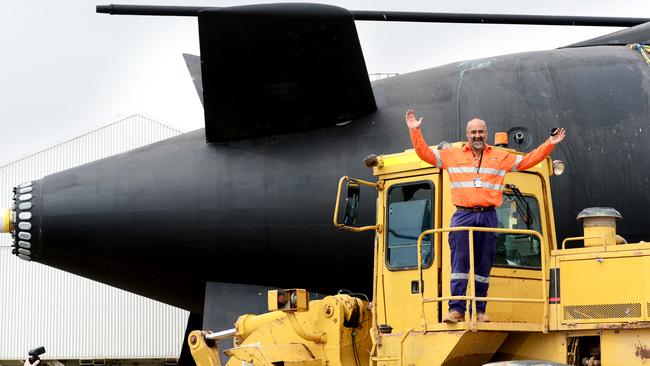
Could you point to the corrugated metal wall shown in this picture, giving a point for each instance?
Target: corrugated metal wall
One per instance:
(73, 317)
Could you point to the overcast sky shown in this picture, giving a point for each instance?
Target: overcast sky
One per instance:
(66, 70)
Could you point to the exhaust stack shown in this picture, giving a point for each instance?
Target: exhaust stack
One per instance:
(599, 222)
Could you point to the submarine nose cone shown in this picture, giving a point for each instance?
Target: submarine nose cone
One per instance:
(20, 221)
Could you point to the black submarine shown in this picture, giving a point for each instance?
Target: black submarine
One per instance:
(201, 220)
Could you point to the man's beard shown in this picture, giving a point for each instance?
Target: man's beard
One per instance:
(477, 144)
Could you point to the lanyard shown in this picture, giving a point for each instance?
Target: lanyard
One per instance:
(479, 161)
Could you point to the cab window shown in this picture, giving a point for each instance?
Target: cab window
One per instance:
(516, 250)
(408, 215)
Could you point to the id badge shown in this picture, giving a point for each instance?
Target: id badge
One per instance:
(477, 182)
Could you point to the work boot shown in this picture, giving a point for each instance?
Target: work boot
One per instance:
(453, 317)
(483, 318)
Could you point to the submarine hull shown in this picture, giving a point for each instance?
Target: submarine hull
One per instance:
(165, 219)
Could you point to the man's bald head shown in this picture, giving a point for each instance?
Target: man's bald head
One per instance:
(476, 132)
(476, 123)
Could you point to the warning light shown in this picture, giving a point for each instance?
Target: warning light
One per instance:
(501, 139)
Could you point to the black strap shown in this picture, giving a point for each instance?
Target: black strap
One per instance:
(480, 161)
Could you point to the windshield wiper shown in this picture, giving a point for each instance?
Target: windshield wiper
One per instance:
(520, 202)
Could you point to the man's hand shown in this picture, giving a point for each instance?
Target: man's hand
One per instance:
(559, 136)
(411, 122)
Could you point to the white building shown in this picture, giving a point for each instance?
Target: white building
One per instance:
(80, 321)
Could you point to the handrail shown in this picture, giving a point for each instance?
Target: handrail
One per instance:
(576, 238)
(470, 282)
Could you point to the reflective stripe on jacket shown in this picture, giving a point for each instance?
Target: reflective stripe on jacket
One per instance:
(459, 163)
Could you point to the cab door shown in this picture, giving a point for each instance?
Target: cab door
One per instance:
(411, 206)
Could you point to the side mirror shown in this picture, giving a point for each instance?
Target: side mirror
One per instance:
(352, 201)
(353, 192)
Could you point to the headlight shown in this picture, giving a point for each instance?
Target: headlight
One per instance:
(558, 167)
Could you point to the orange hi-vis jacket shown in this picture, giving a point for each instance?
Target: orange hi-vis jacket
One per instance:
(463, 170)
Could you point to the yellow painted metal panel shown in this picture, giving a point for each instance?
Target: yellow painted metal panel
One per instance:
(641, 248)
(603, 289)
(533, 346)
(519, 288)
(273, 353)
(401, 162)
(440, 348)
(403, 306)
(625, 348)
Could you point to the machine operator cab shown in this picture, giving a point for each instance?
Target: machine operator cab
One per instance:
(415, 198)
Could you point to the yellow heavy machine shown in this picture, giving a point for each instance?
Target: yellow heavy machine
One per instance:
(579, 301)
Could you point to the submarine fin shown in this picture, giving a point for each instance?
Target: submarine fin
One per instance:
(193, 63)
(280, 68)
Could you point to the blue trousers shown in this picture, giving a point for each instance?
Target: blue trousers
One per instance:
(485, 245)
